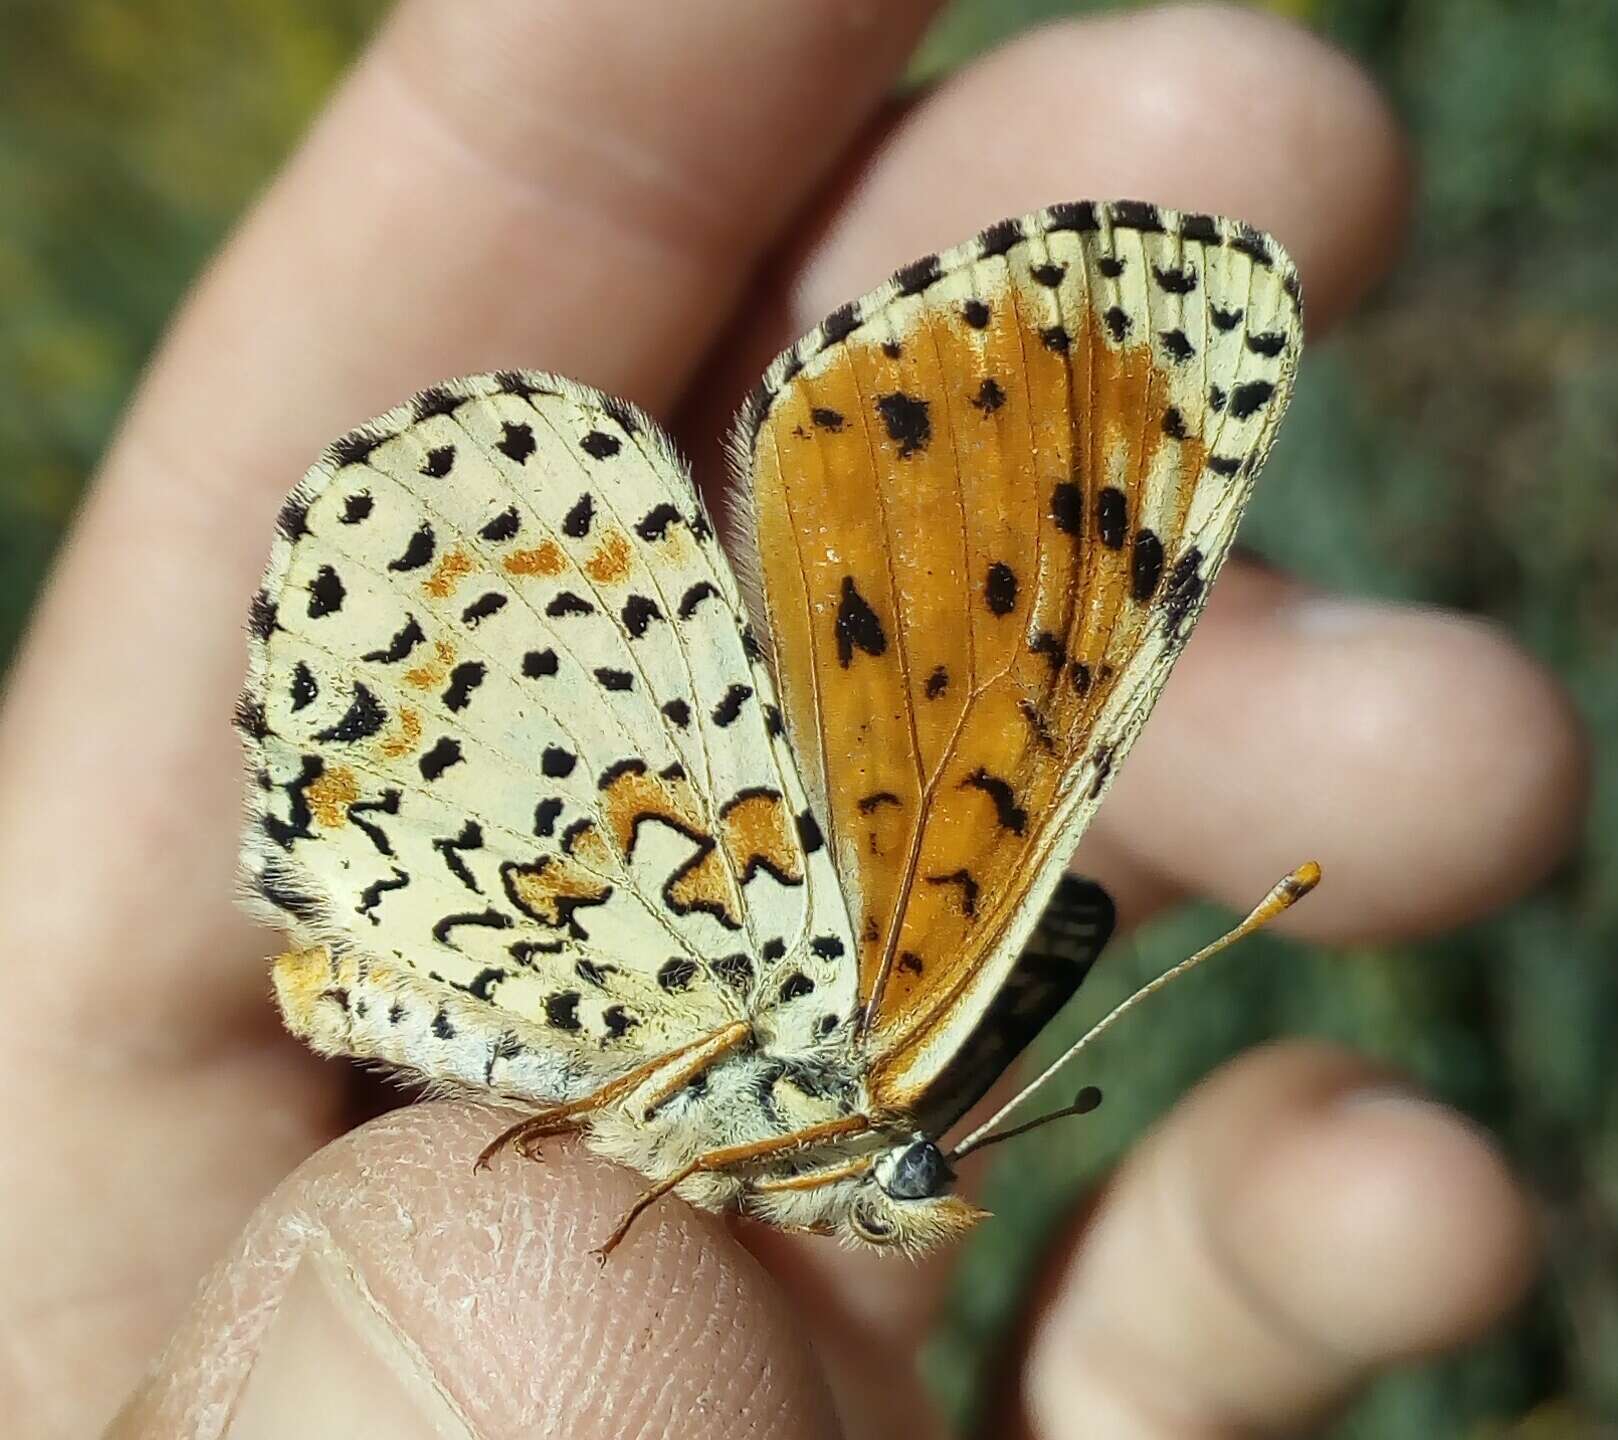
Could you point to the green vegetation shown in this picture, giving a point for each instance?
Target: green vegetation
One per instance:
(1457, 443)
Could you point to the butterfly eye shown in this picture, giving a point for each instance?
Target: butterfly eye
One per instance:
(870, 1225)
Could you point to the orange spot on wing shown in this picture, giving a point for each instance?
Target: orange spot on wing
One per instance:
(551, 889)
(546, 558)
(454, 567)
(330, 796)
(609, 564)
(759, 835)
(433, 674)
(405, 740)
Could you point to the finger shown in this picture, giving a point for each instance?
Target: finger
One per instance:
(1293, 1226)
(1432, 768)
(387, 1289)
(582, 187)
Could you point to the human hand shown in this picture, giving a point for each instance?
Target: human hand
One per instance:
(593, 190)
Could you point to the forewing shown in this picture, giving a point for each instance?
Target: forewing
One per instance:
(989, 499)
(506, 726)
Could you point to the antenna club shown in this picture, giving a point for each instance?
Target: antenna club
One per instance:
(1301, 881)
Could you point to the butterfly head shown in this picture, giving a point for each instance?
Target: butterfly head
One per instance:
(905, 1201)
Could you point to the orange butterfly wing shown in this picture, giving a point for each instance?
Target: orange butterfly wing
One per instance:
(988, 501)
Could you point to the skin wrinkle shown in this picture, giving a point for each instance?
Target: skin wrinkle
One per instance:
(640, 221)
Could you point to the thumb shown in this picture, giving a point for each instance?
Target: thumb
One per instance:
(385, 1289)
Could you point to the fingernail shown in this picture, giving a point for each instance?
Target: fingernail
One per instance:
(1333, 616)
(332, 1364)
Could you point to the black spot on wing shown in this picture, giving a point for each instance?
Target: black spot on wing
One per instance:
(1055, 337)
(677, 974)
(371, 895)
(451, 848)
(1176, 346)
(418, 551)
(567, 603)
(858, 626)
(609, 678)
(702, 590)
(1176, 281)
(463, 680)
(439, 462)
(1182, 593)
(557, 763)
(915, 277)
(730, 705)
(599, 445)
(677, 713)
(1049, 274)
(1250, 397)
(562, 1010)
(326, 593)
(1137, 215)
(1067, 508)
(1117, 322)
(1112, 266)
(1269, 344)
(304, 690)
(292, 522)
(261, 616)
(937, 682)
(546, 814)
(516, 440)
(483, 607)
(963, 882)
(906, 420)
(840, 323)
(1112, 517)
(990, 396)
(809, 835)
(654, 524)
(975, 313)
(363, 719)
(1078, 216)
(1225, 319)
(387, 805)
(576, 523)
(539, 664)
(1010, 815)
(1145, 565)
(998, 238)
(435, 400)
(502, 527)
(1200, 228)
(1000, 589)
(825, 418)
(794, 987)
(435, 762)
(1174, 424)
(827, 947)
(357, 508)
(638, 613)
(355, 448)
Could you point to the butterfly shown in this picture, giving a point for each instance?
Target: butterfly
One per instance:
(758, 880)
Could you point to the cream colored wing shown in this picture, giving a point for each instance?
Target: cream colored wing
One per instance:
(989, 499)
(509, 735)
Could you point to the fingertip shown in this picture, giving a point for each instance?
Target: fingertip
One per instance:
(1435, 768)
(1388, 1222)
(387, 1279)
(1297, 1222)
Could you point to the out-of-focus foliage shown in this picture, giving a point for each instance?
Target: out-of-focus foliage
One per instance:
(1458, 443)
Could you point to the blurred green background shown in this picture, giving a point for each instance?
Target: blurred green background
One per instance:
(1456, 443)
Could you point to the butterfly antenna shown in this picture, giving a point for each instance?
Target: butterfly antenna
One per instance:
(1286, 894)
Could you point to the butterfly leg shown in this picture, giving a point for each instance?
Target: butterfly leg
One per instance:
(730, 1157)
(526, 1134)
